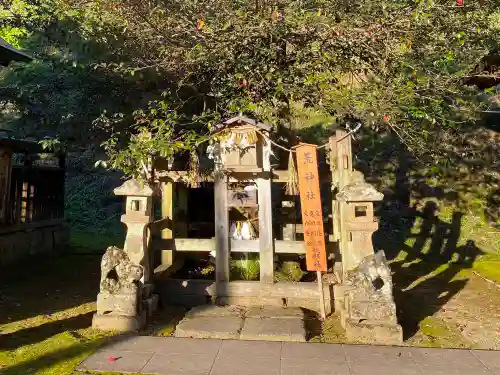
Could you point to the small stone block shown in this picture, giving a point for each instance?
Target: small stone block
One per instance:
(373, 333)
(339, 291)
(119, 323)
(204, 327)
(271, 329)
(215, 311)
(275, 312)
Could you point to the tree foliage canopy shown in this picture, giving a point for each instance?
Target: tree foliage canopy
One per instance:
(120, 70)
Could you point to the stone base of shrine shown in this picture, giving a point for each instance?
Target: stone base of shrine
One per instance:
(373, 332)
(190, 293)
(120, 323)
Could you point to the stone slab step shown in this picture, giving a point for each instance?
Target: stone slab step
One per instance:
(215, 311)
(274, 312)
(273, 329)
(210, 327)
(266, 323)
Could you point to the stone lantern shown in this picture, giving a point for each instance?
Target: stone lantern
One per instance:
(358, 220)
(364, 299)
(138, 215)
(126, 296)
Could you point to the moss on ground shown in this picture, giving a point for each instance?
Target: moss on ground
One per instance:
(46, 310)
(435, 333)
(489, 267)
(45, 314)
(331, 331)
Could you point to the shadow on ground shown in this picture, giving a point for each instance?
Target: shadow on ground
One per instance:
(424, 250)
(40, 291)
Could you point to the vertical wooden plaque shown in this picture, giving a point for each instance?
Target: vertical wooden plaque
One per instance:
(310, 200)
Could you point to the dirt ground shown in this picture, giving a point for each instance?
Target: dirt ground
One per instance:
(470, 318)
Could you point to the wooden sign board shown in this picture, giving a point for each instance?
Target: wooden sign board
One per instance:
(310, 200)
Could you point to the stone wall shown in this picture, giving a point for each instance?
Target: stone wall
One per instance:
(16, 244)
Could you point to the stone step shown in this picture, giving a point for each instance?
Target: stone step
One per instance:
(267, 323)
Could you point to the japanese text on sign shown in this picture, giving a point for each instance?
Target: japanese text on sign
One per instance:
(310, 200)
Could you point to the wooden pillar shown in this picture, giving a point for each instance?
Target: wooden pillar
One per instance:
(5, 178)
(344, 158)
(341, 168)
(335, 185)
(61, 188)
(221, 220)
(167, 213)
(266, 241)
(181, 212)
(25, 189)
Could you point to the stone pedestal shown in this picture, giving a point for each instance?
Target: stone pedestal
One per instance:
(374, 332)
(119, 323)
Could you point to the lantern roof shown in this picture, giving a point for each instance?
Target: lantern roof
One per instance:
(134, 188)
(358, 190)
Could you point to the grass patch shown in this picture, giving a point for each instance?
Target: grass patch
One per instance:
(331, 331)
(489, 266)
(94, 243)
(45, 314)
(435, 333)
(289, 271)
(246, 267)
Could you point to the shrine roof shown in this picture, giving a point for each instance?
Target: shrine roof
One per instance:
(8, 53)
(20, 145)
(238, 120)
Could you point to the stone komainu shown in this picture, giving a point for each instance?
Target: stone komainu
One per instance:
(118, 273)
(372, 278)
(368, 312)
(120, 293)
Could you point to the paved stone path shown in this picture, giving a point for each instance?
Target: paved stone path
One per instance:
(235, 322)
(186, 356)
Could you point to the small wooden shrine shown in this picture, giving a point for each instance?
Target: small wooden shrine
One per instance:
(243, 177)
(242, 183)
